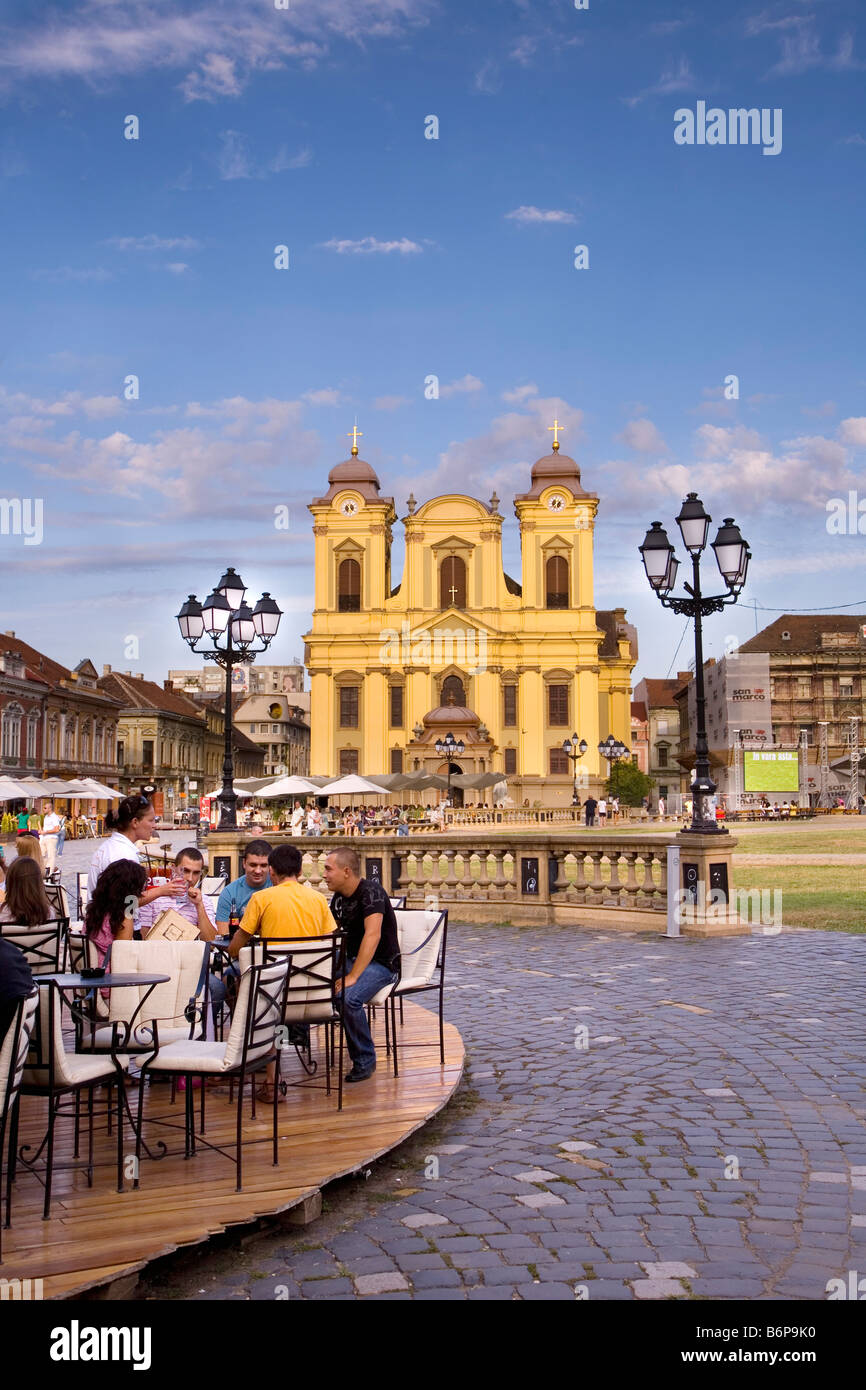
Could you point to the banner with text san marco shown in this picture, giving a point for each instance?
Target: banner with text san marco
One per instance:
(771, 772)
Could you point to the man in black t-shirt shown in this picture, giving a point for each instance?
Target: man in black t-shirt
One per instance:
(362, 908)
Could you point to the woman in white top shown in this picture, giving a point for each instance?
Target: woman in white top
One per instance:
(133, 821)
(298, 819)
(602, 812)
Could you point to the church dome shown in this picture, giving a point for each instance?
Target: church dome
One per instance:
(353, 470)
(451, 717)
(556, 468)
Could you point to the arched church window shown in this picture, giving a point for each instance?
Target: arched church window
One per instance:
(452, 582)
(349, 587)
(453, 691)
(557, 582)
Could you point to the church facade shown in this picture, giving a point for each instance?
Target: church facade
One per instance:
(511, 668)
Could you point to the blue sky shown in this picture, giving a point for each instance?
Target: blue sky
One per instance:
(411, 257)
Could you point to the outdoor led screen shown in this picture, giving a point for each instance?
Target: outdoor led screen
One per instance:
(771, 772)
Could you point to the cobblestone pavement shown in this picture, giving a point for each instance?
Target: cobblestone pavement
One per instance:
(702, 1137)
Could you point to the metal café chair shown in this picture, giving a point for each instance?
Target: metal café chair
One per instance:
(423, 937)
(43, 946)
(250, 1046)
(53, 1072)
(13, 1053)
(316, 964)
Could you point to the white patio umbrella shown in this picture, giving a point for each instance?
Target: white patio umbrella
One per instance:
(10, 790)
(289, 786)
(100, 791)
(351, 785)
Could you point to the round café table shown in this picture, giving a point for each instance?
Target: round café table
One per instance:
(111, 980)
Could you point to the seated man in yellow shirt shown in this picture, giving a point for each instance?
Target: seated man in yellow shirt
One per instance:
(290, 908)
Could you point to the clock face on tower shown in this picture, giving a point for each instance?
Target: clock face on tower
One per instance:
(556, 502)
(349, 507)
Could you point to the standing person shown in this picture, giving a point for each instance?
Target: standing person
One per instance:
(614, 807)
(661, 808)
(133, 821)
(50, 833)
(22, 818)
(235, 896)
(314, 820)
(362, 907)
(298, 819)
(589, 809)
(602, 812)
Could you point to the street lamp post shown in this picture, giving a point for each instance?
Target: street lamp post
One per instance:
(613, 750)
(732, 556)
(449, 748)
(574, 748)
(225, 615)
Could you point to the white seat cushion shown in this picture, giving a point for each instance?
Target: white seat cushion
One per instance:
(412, 982)
(77, 1068)
(190, 1056)
(102, 1038)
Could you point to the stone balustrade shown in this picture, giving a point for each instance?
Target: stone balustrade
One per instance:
(550, 875)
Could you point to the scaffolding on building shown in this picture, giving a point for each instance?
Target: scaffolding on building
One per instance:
(853, 798)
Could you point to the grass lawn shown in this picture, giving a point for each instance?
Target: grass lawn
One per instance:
(813, 896)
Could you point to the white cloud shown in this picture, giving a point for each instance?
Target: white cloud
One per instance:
(529, 214)
(233, 443)
(715, 442)
(488, 79)
(503, 455)
(524, 49)
(390, 402)
(151, 242)
(464, 387)
(802, 52)
(234, 160)
(643, 436)
(217, 45)
(673, 79)
(855, 139)
(282, 160)
(177, 267)
(520, 393)
(328, 395)
(370, 245)
(853, 431)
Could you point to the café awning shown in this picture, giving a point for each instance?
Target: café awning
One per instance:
(351, 785)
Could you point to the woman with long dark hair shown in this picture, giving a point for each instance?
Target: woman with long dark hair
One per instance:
(111, 906)
(26, 903)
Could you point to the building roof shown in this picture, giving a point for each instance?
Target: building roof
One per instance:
(353, 473)
(134, 692)
(554, 468)
(660, 693)
(613, 624)
(638, 710)
(808, 632)
(44, 668)
(245, 744)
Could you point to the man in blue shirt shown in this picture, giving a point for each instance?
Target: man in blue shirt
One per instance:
(236, 895)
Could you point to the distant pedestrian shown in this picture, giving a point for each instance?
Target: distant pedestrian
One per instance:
(614, 809)
(589, 809)
(602, 813)
(661, 808)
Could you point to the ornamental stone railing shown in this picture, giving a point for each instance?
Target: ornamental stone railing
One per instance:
(545, 876)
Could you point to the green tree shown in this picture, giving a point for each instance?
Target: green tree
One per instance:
(628, 783)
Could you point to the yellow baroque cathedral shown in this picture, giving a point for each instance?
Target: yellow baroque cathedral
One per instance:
(455, 645)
